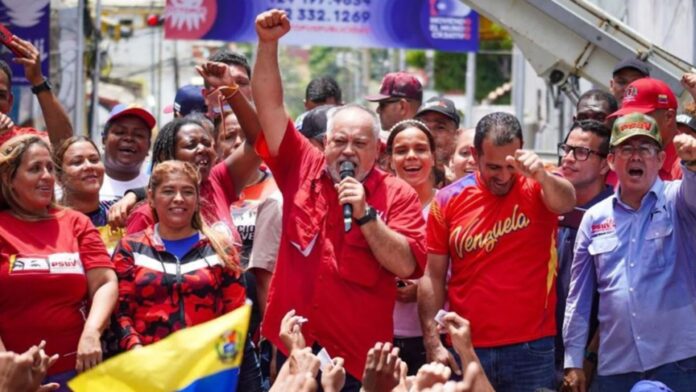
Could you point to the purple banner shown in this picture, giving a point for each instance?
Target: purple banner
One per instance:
(446, 25)
(29, 20)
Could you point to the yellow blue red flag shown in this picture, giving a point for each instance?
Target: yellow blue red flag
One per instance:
(206, 357)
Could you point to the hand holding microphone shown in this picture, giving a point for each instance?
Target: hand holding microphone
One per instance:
(351, 194)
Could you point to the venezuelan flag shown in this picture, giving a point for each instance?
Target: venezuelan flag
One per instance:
(206, 357)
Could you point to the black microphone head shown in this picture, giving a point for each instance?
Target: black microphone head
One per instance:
(347, 169)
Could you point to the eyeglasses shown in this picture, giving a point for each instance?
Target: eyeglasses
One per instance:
(579, 153)
(645, 150)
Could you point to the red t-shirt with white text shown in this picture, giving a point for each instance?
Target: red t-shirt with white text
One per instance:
(43, 282)
(503, 258)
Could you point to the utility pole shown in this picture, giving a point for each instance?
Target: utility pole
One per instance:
(470, 89)
(96, 74)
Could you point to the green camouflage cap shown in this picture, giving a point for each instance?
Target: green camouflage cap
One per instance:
(634, 124)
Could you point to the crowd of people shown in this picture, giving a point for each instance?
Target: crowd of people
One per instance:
(387, 250)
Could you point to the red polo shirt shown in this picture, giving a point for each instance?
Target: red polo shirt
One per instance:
(326, 275)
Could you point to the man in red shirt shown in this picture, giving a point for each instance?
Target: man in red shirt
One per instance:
(654, 98)
(57, 122)
(342, 281)
(498, 228)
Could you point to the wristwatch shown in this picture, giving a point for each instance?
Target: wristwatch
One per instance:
(370, 215)
(45, 86)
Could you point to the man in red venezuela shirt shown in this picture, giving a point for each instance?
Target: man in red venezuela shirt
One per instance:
(496, 229)
(343, 282)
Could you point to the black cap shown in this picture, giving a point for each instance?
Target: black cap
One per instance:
(687, 120)
(440, 105)
(633, 63)
(314, 122)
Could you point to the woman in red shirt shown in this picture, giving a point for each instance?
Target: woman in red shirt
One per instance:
(178, 272)
(52, 265)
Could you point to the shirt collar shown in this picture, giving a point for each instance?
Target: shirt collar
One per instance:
(655, 191)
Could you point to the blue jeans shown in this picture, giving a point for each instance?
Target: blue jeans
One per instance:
(679, 376)
(522, 367)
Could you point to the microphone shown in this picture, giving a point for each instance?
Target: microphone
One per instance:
(347, 169)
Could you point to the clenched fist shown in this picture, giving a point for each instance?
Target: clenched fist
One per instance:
(688, 80)
(271, 25)
(686, 147)
(529, 164)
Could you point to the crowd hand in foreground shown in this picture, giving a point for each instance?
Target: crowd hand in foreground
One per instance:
(382, 368)
(333, 375)
(291, 332)
(296, 373)
(24, 372)
(459, 331)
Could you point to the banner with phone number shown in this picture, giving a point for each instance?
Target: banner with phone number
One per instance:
(446, 25)
(30, 21)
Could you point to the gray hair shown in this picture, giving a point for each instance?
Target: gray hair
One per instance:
(331, 114)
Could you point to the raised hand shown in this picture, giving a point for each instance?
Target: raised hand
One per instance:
(460, 332)
(333, 376)
(688, 80)
(529, 164)
(30, 59)
(382, 368)
(291, 332)
(216, 75)
(686, 147)
(272, 25)
(303, 361)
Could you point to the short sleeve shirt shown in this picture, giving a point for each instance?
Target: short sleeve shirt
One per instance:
(326, 275)
(43, 283)
(503, 258)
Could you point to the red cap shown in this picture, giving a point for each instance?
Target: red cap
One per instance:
(122, 110)
(398, 85)
(645, 95)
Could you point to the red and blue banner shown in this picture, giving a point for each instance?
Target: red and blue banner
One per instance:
(446, 25)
